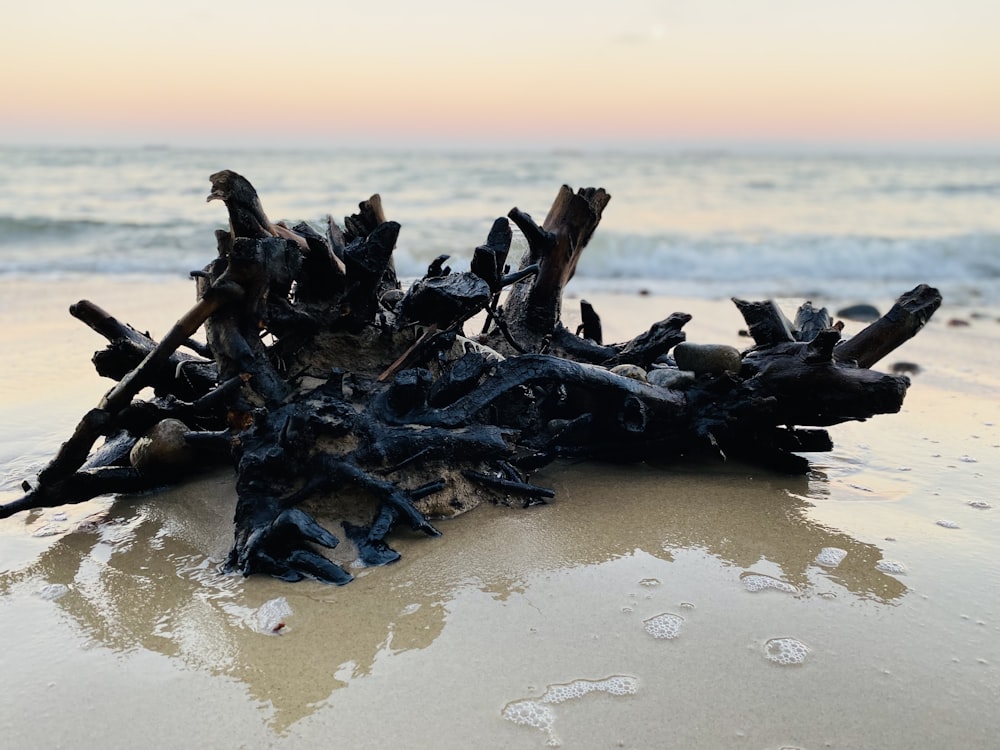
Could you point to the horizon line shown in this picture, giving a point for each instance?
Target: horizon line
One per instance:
(719, 146)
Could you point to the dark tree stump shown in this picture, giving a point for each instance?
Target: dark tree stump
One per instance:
(326, 376)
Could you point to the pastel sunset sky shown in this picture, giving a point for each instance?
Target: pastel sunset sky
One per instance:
(550, 73)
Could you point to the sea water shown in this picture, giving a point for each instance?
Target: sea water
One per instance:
(706, 224)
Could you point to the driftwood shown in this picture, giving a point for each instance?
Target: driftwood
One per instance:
(321, 374)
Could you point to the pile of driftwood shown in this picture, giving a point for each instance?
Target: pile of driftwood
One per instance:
(321, 374)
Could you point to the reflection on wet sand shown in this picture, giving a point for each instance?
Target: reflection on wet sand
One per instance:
(146, 576)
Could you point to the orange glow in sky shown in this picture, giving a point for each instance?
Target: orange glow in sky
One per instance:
(546, 73)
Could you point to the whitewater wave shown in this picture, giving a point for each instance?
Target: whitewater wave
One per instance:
(699, 226)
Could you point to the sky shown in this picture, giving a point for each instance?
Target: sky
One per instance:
(550, 73)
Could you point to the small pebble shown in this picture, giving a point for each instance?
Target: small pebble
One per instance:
(630, 371)
(905, 368)
(163, 448)
(707, 358)
(668, 377)
(861, 313)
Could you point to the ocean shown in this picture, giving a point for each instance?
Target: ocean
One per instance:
(702, 224)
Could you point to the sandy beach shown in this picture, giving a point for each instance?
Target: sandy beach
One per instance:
(703, 604)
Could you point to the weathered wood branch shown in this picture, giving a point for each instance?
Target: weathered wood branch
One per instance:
(55, 481)
(903, 321)
(532, 311)
(182, 375)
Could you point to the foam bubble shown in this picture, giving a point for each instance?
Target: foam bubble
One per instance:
(649, 582)
(785, 651)
(537, 712)
(270, 618)
(979, 505)
(891, 566)
(755, 582)
(53, 591)
(947, 524)
(49, 529)
(530, 713)
(563, 693)
(620, 685)
(614, 685)
(664, 625)
(831, 557)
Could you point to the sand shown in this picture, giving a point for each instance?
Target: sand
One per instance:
(873, 578)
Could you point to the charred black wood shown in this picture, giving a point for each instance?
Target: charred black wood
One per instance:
(458, 380)
(324, 276)
(766, 322)
(181, 375)
(556, 245)
(246, 214)
(73, 453)
(445, 301)
(489, 261)
(510, 485)
(811, 389)
(368, 261)
(564, 343)
(903, 321)
(371, 216)
(590, 323)
(809, 321)
(438, 267)
(328, 381)
(648, 347)
(81, 486)
(202, 350)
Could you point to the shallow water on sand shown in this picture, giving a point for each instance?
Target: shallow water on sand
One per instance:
(705, 604)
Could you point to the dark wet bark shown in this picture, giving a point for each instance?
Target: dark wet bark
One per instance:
(903, 321)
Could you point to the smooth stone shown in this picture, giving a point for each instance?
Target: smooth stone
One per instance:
(707, 358)
(391, 298)
(630, 371)
(162, 448)
(905, 368)
(669, 377)
(860, 313)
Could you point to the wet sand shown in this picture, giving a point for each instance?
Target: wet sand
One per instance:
(892, 642)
